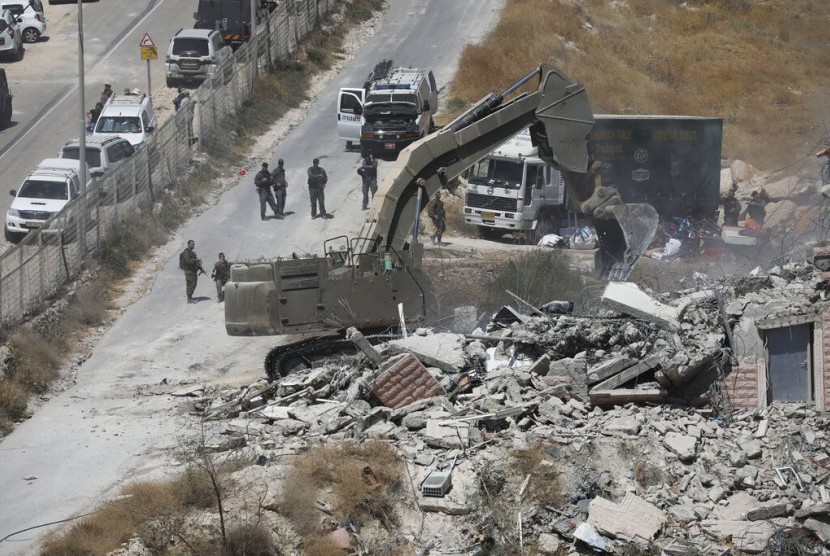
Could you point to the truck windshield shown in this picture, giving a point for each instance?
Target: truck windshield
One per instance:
(93, 155)
(118, 124)
(500, 173)
(384, 96)
(183, 44)
(38, 189)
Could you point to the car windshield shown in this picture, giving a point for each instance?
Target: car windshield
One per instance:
(93, 155)
(182, 45)
(118, 124)
(38, 189)
(501, 173)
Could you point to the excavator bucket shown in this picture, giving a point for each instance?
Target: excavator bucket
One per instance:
(625, 238)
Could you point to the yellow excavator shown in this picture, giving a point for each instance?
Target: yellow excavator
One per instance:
(374, 281)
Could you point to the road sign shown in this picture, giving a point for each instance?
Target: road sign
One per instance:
(146, 40)
(148, 48)
(149, 53)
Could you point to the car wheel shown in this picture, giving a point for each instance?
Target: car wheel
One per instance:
(348, 145)
(30, 34)
(6, 118)
(18, 54)
(12, 237)
(170, 82)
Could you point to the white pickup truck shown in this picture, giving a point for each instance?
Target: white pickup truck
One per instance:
(45, 191)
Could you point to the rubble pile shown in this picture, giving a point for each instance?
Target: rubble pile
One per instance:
(623, 448)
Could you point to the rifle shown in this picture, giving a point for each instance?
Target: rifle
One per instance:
(200, 270)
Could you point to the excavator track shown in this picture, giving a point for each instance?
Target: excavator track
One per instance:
(280, 360)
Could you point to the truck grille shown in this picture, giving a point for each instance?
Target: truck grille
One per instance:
(477, 200)
(34, 214)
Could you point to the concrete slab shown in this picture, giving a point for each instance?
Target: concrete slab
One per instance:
(631, 518)
(629, 299)
(445, 350)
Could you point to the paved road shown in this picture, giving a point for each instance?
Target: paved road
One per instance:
(45, 82)
(118, 421)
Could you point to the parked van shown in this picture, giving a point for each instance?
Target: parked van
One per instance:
(29, 16)
(103, 152)
(393, 109)
(129, 116)
(46, 191)
(194, 55)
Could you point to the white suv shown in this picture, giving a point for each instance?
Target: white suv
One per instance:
(29, 15)
(11, 40)
(129, 116)
(194, 55)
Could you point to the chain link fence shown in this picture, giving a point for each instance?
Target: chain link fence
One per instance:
(50, 256)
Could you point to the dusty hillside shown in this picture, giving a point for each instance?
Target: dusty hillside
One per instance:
(759, 65)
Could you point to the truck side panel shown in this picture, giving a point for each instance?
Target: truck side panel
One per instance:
(670, 162)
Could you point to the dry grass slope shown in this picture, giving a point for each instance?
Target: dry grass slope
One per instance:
(758, 65)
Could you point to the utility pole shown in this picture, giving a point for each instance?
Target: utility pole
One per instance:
(81, 222)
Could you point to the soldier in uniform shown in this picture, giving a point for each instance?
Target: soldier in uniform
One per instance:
(190, 262)
(731, 209)
(369, 174)
(280, 187)
(317, 179)
(221, 274)
(437, 215)
(263, 182)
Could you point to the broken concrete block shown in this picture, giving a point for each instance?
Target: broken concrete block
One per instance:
(275, 412)
(682, 445)
(767, 512)
(749, 536)
(587, 534)
(716, 493)
(737, 459)
(549, 545)
(752, 448)
(609, 368)
(626, 424)
(540, 366)
(445, 434)
(820, 528)
(442, 505)
(631, 518)
(404, 382)
(628, 298)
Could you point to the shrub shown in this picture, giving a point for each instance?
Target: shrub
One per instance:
(536, 276)
(13, 402)
(33, 361)
(364, 481)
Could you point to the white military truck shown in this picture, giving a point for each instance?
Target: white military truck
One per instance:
(513, 190)
(394, 108)
(669, 162)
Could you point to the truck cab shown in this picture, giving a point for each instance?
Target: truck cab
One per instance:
(513, 190)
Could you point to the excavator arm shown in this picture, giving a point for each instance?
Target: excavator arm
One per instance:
(375, 280)
(560, 118)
